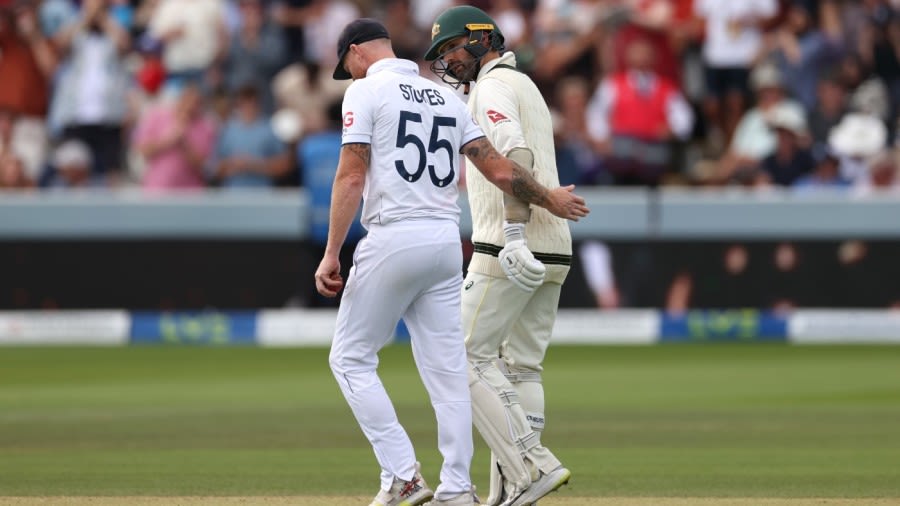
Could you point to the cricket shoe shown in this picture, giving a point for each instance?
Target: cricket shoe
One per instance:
(464, 499)
(405, 493)
(546, 483)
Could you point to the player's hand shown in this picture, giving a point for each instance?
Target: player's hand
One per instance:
(520, 266)
(565, 204)
(328, 277)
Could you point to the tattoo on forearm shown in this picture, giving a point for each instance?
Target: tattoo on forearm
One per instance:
(524, 186)
(363, 151)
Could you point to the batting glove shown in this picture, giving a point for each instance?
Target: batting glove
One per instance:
(517, 261)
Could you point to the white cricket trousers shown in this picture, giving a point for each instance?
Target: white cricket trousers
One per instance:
(411, 269)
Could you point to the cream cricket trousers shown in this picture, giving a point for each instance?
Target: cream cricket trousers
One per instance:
(502, 320)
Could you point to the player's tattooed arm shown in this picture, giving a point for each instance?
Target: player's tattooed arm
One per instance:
(361, 151)
(517, 181)
(522, 184)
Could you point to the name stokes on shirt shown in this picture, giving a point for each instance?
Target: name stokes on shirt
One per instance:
(428, 95)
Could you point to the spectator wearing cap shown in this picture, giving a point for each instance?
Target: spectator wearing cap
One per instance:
(732, 42)
(825, 173)
(71, 167)
(27, 62)
(856, 139)
(791, 158)
(633, 116)
(753, 139)
(248, 152)
(90, 101)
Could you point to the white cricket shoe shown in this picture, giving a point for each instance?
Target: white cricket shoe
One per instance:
(464, 499)
(414, 492)
(546, 483)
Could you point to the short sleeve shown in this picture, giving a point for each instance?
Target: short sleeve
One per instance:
(471, 130)
(499, 116)
(358, 114)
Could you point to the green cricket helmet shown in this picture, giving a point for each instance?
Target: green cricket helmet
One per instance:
(482, 36)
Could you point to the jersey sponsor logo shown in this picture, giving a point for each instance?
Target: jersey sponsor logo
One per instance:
(469, 285)
(496, 117)
(348, 119)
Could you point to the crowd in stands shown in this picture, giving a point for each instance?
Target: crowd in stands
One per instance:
(237, 94)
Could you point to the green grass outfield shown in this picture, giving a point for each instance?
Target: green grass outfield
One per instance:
(677, 421)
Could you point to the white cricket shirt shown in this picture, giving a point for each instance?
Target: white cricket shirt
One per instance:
(416, 130)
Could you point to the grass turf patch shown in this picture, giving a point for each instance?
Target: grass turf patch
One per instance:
(741, 421)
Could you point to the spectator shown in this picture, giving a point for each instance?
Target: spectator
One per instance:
(803, 45)
(568, 38)
(597, 262)
(175, 141)
(879, 45)
(753, 139)
(90, 100)
(725, 277)
(151, 74)
(72, 167)
(248, 153)
(825, 174)
(881, 176)
(791, 158)
(857, 138)
(653, 21)
(407, 43)
(321, 37)
(732, 42)
(21, 139)
(831, 106)
(256, 52)
(511, 15)
(577, 159)
(27, 61)
(868, 93)
(194, 36)
(292, 16)
(12, 173)
(634, 115)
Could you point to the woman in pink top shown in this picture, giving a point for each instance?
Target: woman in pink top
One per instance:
(176, 140)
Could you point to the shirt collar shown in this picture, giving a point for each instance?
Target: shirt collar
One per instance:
(395, 64)
(507, 58)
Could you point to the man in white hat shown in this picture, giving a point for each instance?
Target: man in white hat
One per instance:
(855, 139)
(792, 158)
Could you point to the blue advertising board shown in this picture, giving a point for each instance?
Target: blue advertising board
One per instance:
(194, 328)
(727, 325)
